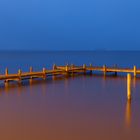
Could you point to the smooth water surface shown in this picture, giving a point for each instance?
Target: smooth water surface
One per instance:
(74, 108)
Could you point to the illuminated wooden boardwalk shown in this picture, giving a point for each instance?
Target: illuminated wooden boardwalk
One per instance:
(64, 70)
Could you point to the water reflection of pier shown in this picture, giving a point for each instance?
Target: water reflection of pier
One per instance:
(128, 114)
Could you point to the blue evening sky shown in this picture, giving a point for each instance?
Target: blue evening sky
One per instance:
(70, 24)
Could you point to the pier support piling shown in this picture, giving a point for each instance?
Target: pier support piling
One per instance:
(19, 75)
(6, 71)
(90, 69)
(128, 86)
(104, 70)
(84, 68)
(44, 73)
(31, 70)
(54, 68)
(135, 71)
(6, 74)
(66, 70)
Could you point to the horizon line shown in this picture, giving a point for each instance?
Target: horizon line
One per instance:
(64, 50)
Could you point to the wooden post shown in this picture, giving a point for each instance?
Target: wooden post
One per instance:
(135, 71)
(128, 86)
(6, 71)
(44, 73)
(72, 66)
(54, 66)
(67, 69)
(19, 74)
(91, 68)
(31, 69)
(104, 70)
(84, 67)
(6, 74)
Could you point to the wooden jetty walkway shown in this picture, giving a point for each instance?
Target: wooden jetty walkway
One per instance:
(64, 70)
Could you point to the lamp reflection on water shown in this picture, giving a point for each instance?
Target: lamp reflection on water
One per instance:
(6, 87)
(128, 114)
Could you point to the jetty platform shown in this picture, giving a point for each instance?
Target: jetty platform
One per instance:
(67, 70)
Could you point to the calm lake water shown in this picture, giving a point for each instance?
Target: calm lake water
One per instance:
(82, 107)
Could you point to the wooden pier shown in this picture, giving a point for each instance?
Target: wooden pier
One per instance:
(67, 70)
